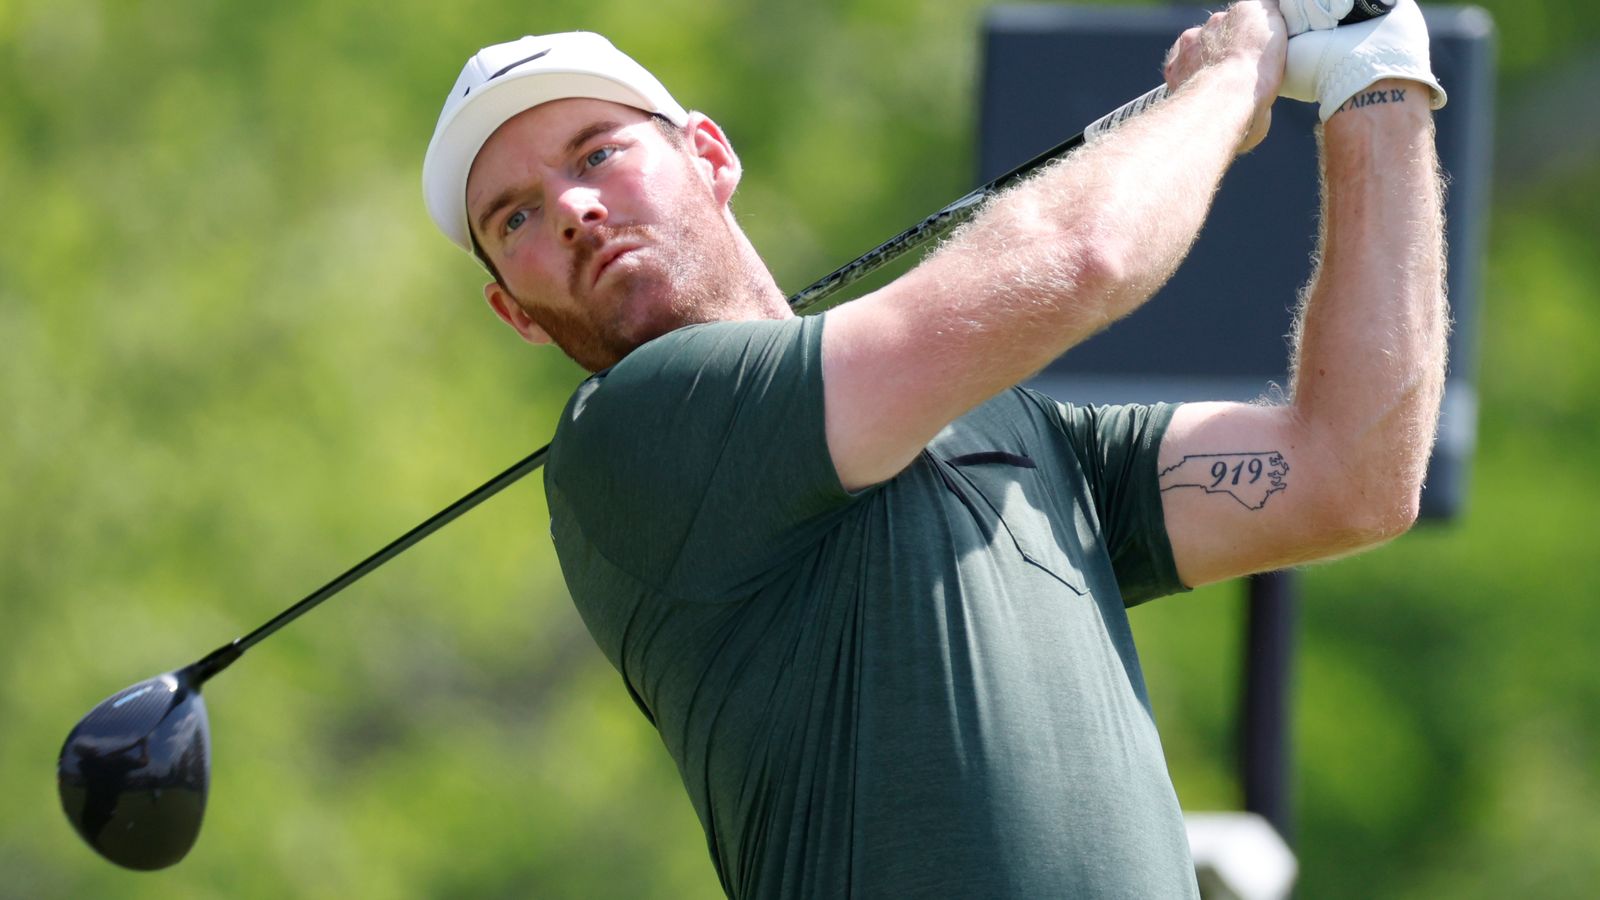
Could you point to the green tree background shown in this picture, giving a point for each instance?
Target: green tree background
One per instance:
(235, 357)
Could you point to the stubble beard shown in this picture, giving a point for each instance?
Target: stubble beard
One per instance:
(689, 271)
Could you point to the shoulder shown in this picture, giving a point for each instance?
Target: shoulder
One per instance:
(698, 460)
(687, 400)
(712, 349)
(685, 368)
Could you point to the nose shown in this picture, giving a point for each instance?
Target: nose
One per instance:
(579, 211)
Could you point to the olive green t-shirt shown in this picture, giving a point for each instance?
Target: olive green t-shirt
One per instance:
(924, 689)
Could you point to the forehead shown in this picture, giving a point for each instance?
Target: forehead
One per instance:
(539, 134)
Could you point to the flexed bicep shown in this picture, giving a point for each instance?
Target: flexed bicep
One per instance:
(1250, 488)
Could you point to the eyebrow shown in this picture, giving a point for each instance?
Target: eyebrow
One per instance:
(505, 197)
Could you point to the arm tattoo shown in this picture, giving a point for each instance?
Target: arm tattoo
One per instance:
(1373, 98)
(1250, 478)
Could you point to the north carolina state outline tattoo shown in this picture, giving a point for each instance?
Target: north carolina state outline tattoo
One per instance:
(1249, 478)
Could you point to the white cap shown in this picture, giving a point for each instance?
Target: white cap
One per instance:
(503, 80)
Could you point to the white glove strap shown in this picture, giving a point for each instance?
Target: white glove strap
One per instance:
(1329, 67)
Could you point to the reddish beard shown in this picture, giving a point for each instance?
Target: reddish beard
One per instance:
(588, 346)
(690, 271)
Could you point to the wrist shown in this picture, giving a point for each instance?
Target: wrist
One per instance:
(1248, 102)
(1242, 73)
(1237, 80)
(1342, 66)
(1388, 98)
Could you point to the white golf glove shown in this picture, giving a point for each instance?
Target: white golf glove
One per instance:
(1313, 15)
(1328, 67)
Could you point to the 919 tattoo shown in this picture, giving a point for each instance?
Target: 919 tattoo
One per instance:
(1249, 478)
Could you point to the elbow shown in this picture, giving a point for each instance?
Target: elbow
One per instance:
(1391, 516)
(1373, 513)
(1101, 267)
(1120, 266)
(1103, 272)
(1086, 260)
(1105, 254)
(1372, 474)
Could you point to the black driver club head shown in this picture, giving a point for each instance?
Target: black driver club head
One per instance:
(134, 773)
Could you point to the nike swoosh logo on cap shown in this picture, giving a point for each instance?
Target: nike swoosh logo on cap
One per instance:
(518, 63)
(468, 89)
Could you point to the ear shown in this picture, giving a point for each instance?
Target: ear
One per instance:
(512, 313)
(713, 156)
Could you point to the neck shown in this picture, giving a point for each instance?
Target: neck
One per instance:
(769, 299)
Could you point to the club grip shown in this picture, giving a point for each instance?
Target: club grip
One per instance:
(1123, 113)
(1367, 9)
(1362, 11)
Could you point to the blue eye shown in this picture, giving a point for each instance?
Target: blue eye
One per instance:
(516, 219)
(598, 156)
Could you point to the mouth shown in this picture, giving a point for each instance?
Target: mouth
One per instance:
(606, 257)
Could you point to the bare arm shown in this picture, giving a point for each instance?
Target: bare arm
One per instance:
(1352, 446)
(1047, 264)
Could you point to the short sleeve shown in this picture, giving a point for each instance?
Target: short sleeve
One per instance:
(700, 463)
(1117, 448)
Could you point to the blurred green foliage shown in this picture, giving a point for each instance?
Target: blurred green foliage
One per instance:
(235, 357)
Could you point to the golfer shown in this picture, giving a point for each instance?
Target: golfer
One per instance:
(871, 593)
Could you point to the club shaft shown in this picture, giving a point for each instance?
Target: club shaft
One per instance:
(806, 300)
(810, 299)
(223, 656)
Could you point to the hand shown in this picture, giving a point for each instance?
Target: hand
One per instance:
(1329, 67)
(1249, 33)
(1313, 15)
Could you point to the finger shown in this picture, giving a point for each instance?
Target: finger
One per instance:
(1178, 67)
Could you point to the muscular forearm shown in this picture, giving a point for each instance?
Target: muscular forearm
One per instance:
(1045, 266)
(1370, 348)
(1093, 237)
(1048, 263)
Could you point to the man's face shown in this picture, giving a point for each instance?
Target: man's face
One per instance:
(605, 233)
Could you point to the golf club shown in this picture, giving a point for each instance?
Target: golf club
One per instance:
(134, 773)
